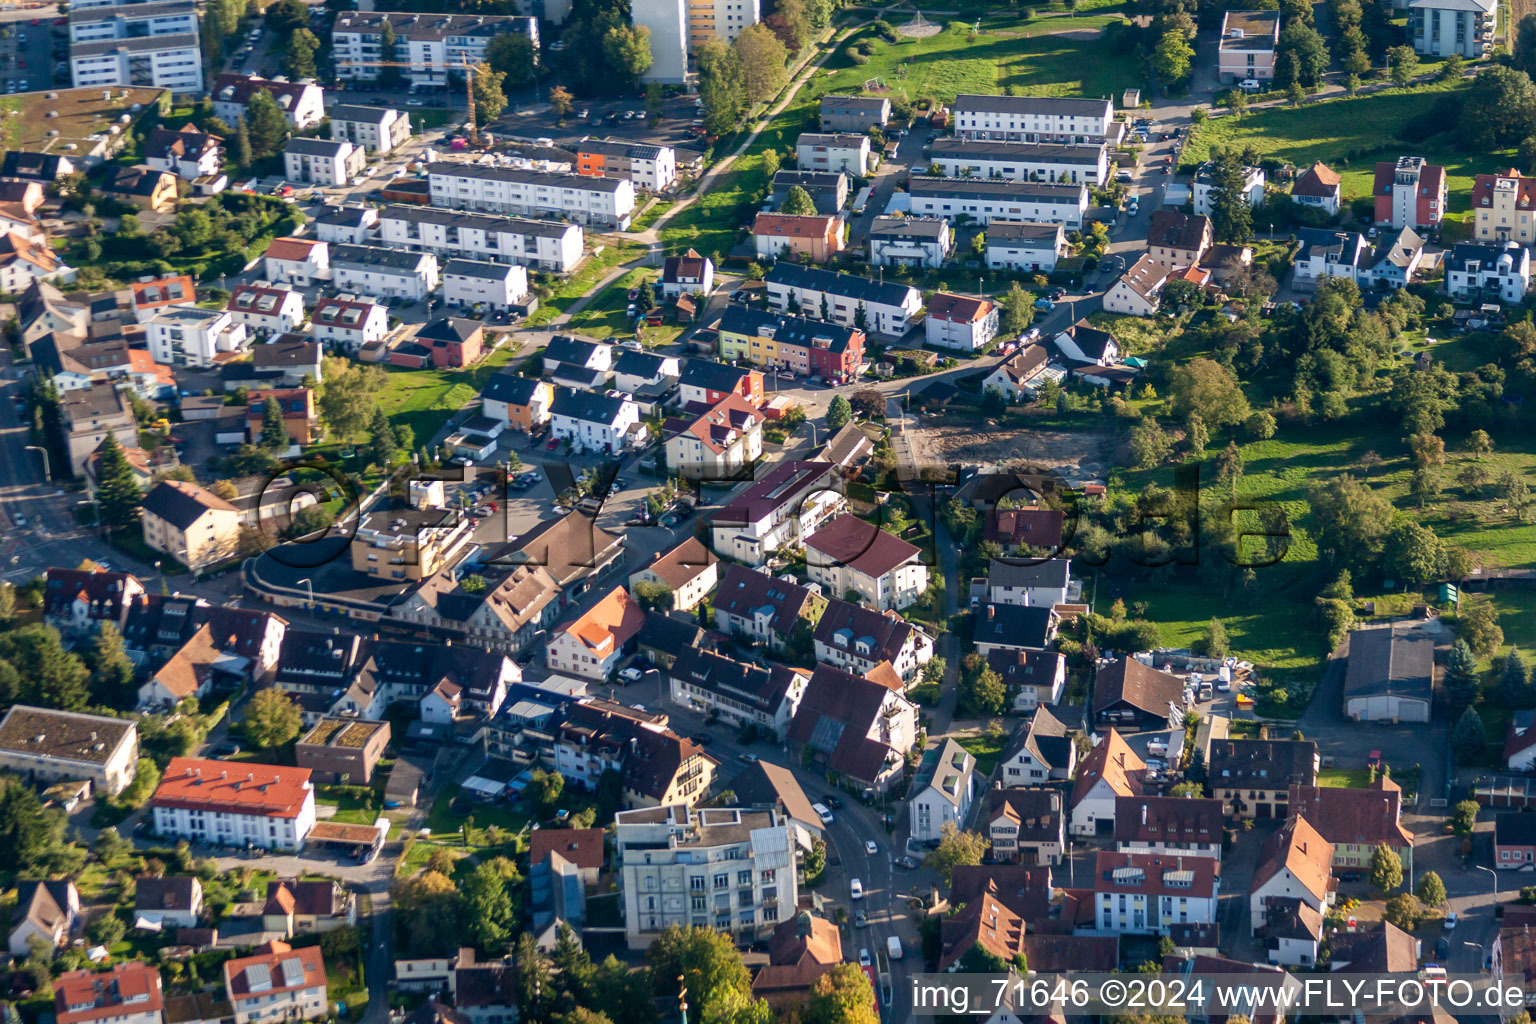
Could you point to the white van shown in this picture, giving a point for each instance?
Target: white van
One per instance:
(893, 947)
(856, 889)
(823, 813)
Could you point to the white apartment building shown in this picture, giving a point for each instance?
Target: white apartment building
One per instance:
(594, 422)
(541, 244)
(421, 40)
(961, 322)
(606, 202)
(189, 336)
(230, 803)
(173, 62)
(724, 868)
(1023, 161)
(375, 129)
(1439, 28)
(52, 745)
(653, 168)
(279, 983)
(1145, 893)
(848, 553)
(782, 509)
(263, 309)
(914, 242)
(719, 19)
(850, 154)
(132, 21)
(1481, 272)
(474, 282)
(888, 308)
(1204, 183)
(667, 21)
(349, 323)
(985, 200)
(301, 261)
(324, 162)
(943, 790)
(718, 443)
(1033, 118)
(1022, 245)
(302, 103)
(349, 223)
(130, 993)
(375, 270)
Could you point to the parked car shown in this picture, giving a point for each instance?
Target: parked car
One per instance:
(1044, 305)
(870, 847)
(864, 960)
(631, 675)
(855, 889)
(906, 863)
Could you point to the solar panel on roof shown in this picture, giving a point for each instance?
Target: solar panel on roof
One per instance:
(258, 978)
(293, 972)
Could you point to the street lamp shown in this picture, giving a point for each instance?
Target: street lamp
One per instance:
(1491, 874)
(1482, 954)
(682, 999)
(47, 473)
(309, 586)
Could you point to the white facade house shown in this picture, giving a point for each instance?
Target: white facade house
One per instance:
(433, 45)
(1033, 118)
(1439, 28)
(653, 168)
(235, 803)
(817, 151)
(1023, 245)
(787, 505)
(186, 153)
(729, 869)
(263, 309)
(375, 129)
(594, 422)
(349, 323)
(173, 62)
(1204, 182)
(376, 270)
(717, 444)
(1022, 161)
(326, 162)
(302, 261)
(474, 282)
(1139, 291)
(961, 323)
(542, 244)
(132, 21)
(604, 202)
(667, 21)
(985, 200)
(765, 696)
(352, 224)
(889, 308)
(93, 748)
(847, 553)
(188, 336)
(1146, 893)
(1481, 272)
(302, 102)
(1295, 863)
(943, 790)
(1029, 583)
(910, 241)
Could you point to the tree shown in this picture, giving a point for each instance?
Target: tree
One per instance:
(1461, 674)
(106, 929)
(1352, 521)
(956, 848)
(47, 674)
(274, 429)
(715, 980)
(1404, 65)
(348, 395)
(384, 447)
(653, 597)
(798, 203)
(722, 86)
(1499, 109)
(1231, 214)
(561, 100)
(488, 908)
(1172, 58)
(1515, 680)
(272, 719)
(1214, 643)
(266, 128)
(1207, 388)
(627, 50)
(117, 490)
(1413, 553)
(490, 100)
(1468, 736)
(1430, 890)
(983, 693)
(1301, 58)
(544, 789)
(1464, 817)
(842, 996)
(1386, 869)
(112, 681)
(7, 602)
(1195, 435)
(1018, 309)
(1477, 623)
(311, 519)
(388, 54)
(240, 149)
(511, 53)
(839, 412)
(1150, 446)
(299, 57)
(285, 16)
(1403, 911)
(762, 57)
(429, 907)
(655, 105)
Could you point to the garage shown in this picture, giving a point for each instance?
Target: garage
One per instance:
(1390, 673)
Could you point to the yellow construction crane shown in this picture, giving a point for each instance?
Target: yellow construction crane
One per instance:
(464, 65)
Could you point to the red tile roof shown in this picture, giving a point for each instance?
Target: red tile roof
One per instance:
(233, 787)
(960, 308)
(239, 975)
(129, 987)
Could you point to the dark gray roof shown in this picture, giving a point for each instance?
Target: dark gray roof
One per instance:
(450, 328)
(1044, 736)
(924, 228)
(357, 112)
(587, 406)
(563, 348)
(1024, 233)
(516, 174)
(138, 44)
(343, 216)
(509, 387)
(1050, 106)
(1398, 660)
(1023, 152)
(478, 268)
(377, 257)
(639, 364)
(179, 507)
(1010, 625)
(713, 376)
(1015, 572)
(793, 275)
(316, 147)
(487, 222)
(996, 188)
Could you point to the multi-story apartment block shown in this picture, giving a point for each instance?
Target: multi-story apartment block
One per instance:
(875, 308)
(330, 163)
(943, 790)
(1033, 118)
(848, 553)
(191, 524)
(132, 21)
(667, 21)
(653, 168)
(988, 199)
(376, 270)
(171, 62)
(235, 803)
(48, 744)
(543, 244)
(856, 114)
(605, 202)
(477, 282)
(1440, 28)
(90, 414)
(1023, 245)
(1504, 208)
(301, 261)
(434, 45)
(185, 152)
(261, 308)
(1023, 161)
(961, 322)
(719, 19)
(1501, 273)
(815, 238)
(782, 509)
(859, 727)
(1146, 893)
(1203, 186)
(1410, 193)
(717, 444)
(1175, 826)
(1247, 47)
(343, 750)
(741, 693)
(857, 639)
(189, 336)
(849, 154)
(408, 543)
(349, 323)
(129, 993)
(375, 129)
(278, 983)
(725, 868)
(802, 345)
(302, 103)
(910, 241)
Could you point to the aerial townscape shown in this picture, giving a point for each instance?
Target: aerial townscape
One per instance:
(650, 511)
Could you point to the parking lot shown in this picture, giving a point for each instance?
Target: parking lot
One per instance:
(608, 118)
(27, 53)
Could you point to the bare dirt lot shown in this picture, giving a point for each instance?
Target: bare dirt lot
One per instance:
(940, 443)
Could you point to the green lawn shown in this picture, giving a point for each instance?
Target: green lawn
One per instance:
(604, 316)
(425, 399)
(985, 749)
(441, 820)
(1359, 778)
(648, 218)
(597, 266)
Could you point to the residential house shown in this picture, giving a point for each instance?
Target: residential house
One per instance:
(184, 152)
(1029, 529)
(145, 188)
(191, 524)
(1133, 692)
(277, 982)
(761, 608)
(1410, 193)
(578, 361)
(234, 803)
(329, 163)
(1293, 863)
(1319, 187)
(77, 601)
(595, 422)
(1227, 265)
(888, 308)
(499, 286)
(343, 751)
(1253, 778)
(1146, 893)
(305, 262)
(595, 202)
(856, 727)
(786, 506)
(349, 324)
(1168, 825)
(376, 270)
(189, 336)
(762, 784)
(348, 223)
(1084, 343)
(1024, 245)
(649, 167)
(26, 261)
(804, 346)
(287, 360)
(1139, 291)
(1110, 770)
(800, 952)
(1177, 239)
(36, 166)
(1356, 821)
(827, 189)
(1029, 583)
(1012, 627)
(90, 414)
(582, 847)
(1467, 28)
(962, 323)
(1499, 273)
(984, 200)
(657, 767)
(1391, 263)
(815, 238)
(959, 157)
(1033, 118)
(49, 745)
(688, 274)
(763, 697)
(1247, 47)
(592, 645)
(46, 911)
(848, 554)
(635, 372)
(1293, 932)
(168, 901)
(306, 906)
(1026, 826)
(815, 151)
(943, 790)
(553, 245)
(721, 443)
(374, 129)
(1030, 677)
(1390, 674)
(1203, 183)
(1514, 840)
(1520, 741)
(263, 309)
(302, 102)
(1039, 751)
(129, 993)
(453, 341)
(910, 241)
(858, 639)
(856, 114)
(572, 548)
(522, 403)
(1501, 208)
(1017, 377)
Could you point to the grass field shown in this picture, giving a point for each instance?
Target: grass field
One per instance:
(425, 399)
(605, 316)
(584, 280)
